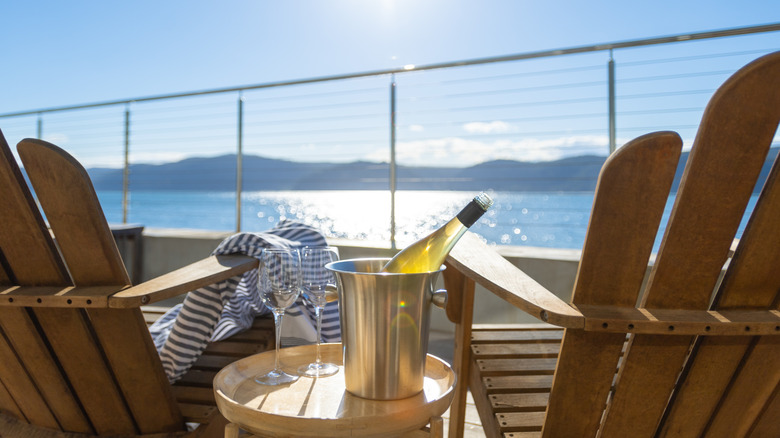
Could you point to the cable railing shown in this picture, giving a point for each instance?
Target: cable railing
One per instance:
(387, 155)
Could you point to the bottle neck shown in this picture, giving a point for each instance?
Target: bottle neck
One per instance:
(470, 214)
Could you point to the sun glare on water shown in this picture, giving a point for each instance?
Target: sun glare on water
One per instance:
(360, 214)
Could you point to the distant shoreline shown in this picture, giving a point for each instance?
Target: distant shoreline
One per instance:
(575, 174)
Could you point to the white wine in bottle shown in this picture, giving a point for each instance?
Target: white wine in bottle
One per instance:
(428, 253)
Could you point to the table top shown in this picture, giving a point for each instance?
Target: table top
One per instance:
(322, 406)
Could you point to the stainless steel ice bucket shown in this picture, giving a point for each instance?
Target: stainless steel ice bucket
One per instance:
(385, 319)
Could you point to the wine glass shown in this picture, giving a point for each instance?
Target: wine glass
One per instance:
(279, 285)
(319, 287)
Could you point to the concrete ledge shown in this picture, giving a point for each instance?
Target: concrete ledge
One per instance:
(168, 249)
(165, 250)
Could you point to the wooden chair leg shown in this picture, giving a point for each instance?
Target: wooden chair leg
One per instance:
(214, 427)
(231, 430)
(434, 429)
(437, 427)
(461, 365)
(460, 303)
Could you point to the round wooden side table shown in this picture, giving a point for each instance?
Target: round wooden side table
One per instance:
(322, 406)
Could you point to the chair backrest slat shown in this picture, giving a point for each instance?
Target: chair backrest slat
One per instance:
(30, 258)
(29, 255)
(29, 401)
(719, 178)
(4, 278)
(725, 161)
(69, 334)
(7, 402)
(751, 391)
(752, 399)
(766, 425)
(28, 344)
(138, 369)
(71, 206)
(97, 369)
(90, 253)
(751, 281)
(635, 181)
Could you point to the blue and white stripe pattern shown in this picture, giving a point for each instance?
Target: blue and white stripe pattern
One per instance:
(220, 310)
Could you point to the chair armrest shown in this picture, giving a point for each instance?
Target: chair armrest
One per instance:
(478, 261)
(199, 274)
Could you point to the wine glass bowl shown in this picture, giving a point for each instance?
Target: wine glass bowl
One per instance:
(315, 295)
(318, 288)
(279, 285)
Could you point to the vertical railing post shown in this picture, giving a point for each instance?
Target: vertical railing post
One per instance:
(392, 162)
(39, 128)
(239, 159)
(126, 171)
(611, 97)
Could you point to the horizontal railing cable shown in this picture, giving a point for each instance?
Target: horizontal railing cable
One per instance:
(488, 60)
(523, 111)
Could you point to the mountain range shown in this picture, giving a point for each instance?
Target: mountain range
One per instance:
(578, 173)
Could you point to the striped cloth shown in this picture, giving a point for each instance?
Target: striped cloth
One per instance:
(223, 309)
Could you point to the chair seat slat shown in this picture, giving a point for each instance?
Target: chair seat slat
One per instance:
(520, 421)
(515, 351)
(523, 402)
(514, 336)
(516, 366)
(518, 383)
(512, 380)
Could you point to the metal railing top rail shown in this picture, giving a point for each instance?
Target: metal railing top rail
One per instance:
(515, 57)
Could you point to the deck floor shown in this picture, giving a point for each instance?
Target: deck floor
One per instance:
(441, 345)
(473, 427)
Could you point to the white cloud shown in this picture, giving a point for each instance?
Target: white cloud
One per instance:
(494, 127)
(112, 161)
(157, 157)
(457, 151)
(416, 128)
(57, 138)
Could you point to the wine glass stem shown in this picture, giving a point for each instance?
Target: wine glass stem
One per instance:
(318, 314)
(278, 325)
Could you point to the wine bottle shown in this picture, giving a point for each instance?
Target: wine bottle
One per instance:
(428, 253)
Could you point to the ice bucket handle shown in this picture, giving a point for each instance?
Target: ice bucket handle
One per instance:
(439, 298)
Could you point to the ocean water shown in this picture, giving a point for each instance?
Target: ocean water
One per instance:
(549, 220)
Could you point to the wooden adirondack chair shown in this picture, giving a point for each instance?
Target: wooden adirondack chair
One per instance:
(75, 352)
(685, 352)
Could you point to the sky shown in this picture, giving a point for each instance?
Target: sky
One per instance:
(57, 53)
(63, 53)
